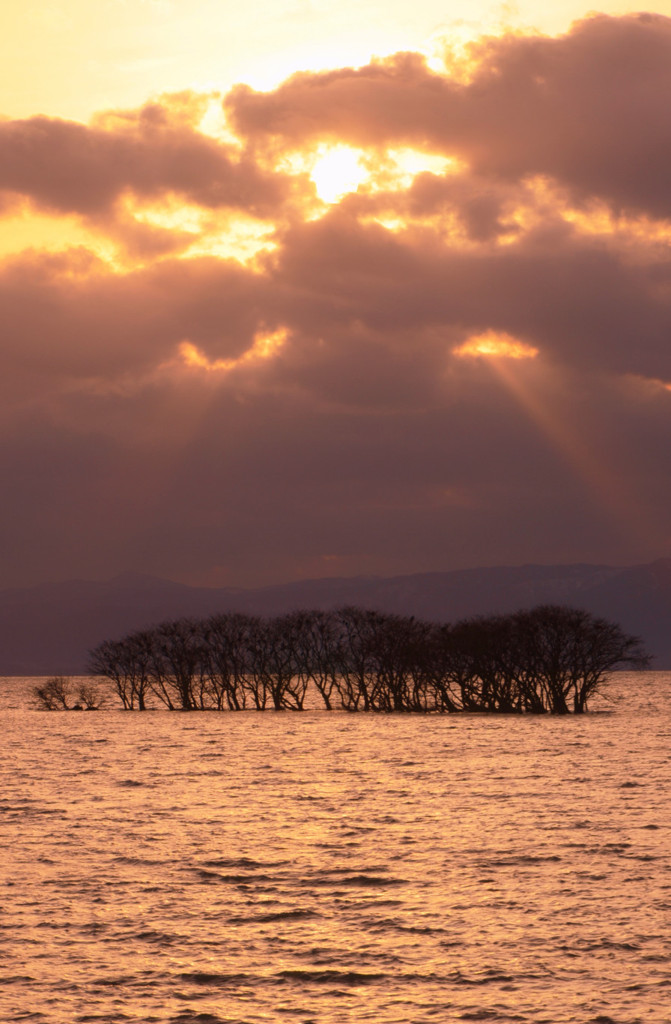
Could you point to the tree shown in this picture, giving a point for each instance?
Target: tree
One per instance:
(54, 694)
(444, 668)
(177, 668)
(274, 667)
(316, 641)
(354, 657)
(547, 659)
(127, 664)
(225, 644)
(61, 694)
(568, 653)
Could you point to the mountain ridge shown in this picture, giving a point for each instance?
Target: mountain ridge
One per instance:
(49, 628)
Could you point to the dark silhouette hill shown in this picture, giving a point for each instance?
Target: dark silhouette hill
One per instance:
(50, 628)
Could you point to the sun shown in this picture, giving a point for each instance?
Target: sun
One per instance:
(337, 171)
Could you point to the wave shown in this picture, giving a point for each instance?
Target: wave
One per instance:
(331, 977)
(279, 915)
(216, 978)
(361, 881)
(191, 1017)
(243, 862)
(215, 876)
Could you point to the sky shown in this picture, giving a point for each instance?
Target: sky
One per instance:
(305, 289)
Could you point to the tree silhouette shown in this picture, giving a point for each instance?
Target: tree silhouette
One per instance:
(546, 659)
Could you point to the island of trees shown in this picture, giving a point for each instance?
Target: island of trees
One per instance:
(549, 659)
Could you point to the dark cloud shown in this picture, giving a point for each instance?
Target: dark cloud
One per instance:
(356, 439)
(67, 167)
(68, 322)
(578, 298)
(246, 487)
(363, 445)
(483, 207)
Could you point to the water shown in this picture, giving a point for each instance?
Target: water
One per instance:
(328, 867)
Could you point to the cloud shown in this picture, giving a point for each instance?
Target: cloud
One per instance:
(496, 345)
(589, 109)
(314, 409)
(579, 300)
(67, 167)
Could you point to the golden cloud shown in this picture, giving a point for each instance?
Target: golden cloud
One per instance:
(495, 344)
(265, 346)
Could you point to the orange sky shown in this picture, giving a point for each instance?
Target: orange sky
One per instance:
(408, 309)
(75, 57)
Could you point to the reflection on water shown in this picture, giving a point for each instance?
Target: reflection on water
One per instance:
(330, 868)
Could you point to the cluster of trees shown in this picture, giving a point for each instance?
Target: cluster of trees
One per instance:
(548, 659)
(61, 694)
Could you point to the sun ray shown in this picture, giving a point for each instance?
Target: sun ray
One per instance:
(610, 490)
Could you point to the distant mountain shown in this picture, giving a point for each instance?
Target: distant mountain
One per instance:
(49, 629)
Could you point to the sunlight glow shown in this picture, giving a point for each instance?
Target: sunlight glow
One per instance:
(394, 170)
(339, 47)
(236, 236)
(546, 199)
(496, 344)
(338, 171)
(389, 223)
(240, 238)
(597, 219)
(30, 229)
(173, 214)
(411, 162)
(264, 347)
(213, 123)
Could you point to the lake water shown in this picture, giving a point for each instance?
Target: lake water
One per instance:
(328, 868)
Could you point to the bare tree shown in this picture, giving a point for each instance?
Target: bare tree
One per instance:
(354, 657)
(89, 697)
(54, 694)
(127, 664)
(568, 654)
(548, 659)
(177, 669)
(226, 657)
(316, 640)
(273, 667)
(443, 669)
